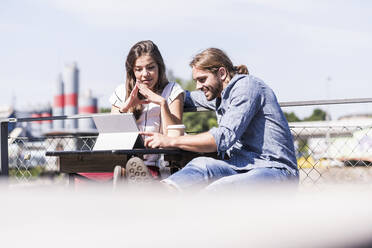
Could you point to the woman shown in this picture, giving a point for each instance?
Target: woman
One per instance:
(154, 101)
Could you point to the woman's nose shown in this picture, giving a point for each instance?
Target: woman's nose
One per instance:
(145, 73)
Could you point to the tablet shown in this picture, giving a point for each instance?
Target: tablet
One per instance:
(117, 132)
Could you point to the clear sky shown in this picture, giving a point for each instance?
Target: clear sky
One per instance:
(294, 46)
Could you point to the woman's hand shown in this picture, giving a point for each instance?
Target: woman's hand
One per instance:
(149, 94)
(132, 100)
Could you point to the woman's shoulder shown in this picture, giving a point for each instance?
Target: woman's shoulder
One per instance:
(118, 95)
(173, 86)
(177, 86)
(172, 90)
(120, 87)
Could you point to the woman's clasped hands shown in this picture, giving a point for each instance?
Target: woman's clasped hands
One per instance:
(135, 99)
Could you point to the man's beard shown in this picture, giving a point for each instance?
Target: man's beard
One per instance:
(214, 91)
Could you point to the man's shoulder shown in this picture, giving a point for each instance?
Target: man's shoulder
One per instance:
(241, 83)
(247, 82)
(244, 79)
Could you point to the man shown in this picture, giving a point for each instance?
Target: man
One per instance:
(252, 130)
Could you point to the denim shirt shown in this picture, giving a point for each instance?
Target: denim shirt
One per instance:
(252, 128)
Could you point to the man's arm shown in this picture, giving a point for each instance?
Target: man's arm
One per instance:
(197, 99)
(203, 142)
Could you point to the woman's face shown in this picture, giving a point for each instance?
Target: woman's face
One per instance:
(146, 71)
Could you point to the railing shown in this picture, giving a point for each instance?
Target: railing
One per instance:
(326, 151)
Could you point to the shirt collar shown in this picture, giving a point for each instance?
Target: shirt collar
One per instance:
(232, 82)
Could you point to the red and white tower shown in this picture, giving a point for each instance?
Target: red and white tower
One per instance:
(59, 104)
(71, 80)
(87, 105)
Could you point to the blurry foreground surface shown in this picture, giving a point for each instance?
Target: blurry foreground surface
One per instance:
(96, 216)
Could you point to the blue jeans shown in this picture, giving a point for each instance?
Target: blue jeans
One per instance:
(217, 174)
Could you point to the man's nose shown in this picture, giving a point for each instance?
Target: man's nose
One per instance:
(199, 86)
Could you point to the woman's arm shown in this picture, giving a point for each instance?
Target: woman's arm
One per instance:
(171, 114)
(131, 101)
(114, 110)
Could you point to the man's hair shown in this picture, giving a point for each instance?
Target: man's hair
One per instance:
(146, 47)
(212, 59)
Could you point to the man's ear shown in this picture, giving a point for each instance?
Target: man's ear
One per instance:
(222, 73)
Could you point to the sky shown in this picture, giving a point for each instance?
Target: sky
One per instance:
(304, 50)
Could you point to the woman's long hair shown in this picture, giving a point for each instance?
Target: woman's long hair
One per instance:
(212, 59)
(146, 47)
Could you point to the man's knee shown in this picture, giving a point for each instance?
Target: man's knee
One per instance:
(270, 174)
(254, 177)
(200, 163)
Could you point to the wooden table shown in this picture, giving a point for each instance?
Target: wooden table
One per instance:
(74, 162)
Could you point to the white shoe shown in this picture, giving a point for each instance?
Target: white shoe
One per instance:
(137, 172)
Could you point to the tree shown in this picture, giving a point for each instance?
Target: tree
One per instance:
(197, 122)
(291, 117)
(317, 115)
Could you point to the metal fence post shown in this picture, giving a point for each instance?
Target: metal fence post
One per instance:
(4, 156)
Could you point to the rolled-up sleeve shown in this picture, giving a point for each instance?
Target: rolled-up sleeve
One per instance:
(244, 103)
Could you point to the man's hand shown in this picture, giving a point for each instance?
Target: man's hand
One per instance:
(156, 140)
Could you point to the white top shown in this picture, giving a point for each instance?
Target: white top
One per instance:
(150, 118)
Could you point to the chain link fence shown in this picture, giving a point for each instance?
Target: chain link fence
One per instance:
(333, 154)
(27, 160)
(326, 153)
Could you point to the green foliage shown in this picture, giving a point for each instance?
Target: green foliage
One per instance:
(197, 122)
(104, 110)
(29, 172)
(188, 85)
(291, 117)
(317, 115)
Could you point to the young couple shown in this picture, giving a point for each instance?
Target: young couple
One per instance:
(252, 129)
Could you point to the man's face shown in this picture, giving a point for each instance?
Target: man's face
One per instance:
(207, 82)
